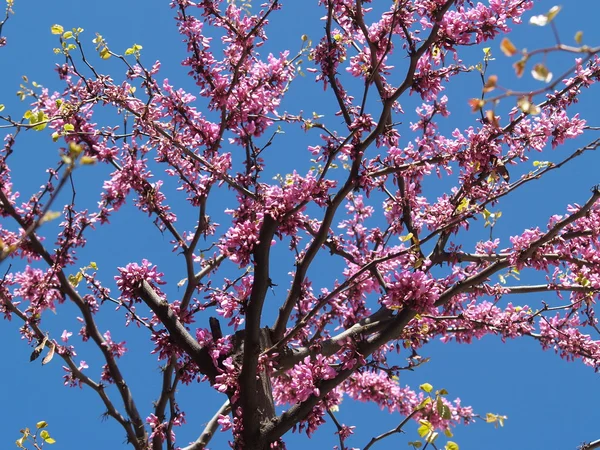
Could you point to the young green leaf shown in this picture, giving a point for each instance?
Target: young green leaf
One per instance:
(56, 29)
(408, 237)
(425, 429)
(426, 387)
(50, 215)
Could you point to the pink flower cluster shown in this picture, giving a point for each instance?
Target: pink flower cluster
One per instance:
(299, 383)
(160, 428)
(416, 290)
(131, 276)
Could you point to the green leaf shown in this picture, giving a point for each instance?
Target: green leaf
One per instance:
(408, 237)
(88, 160)
(41, 424)
(39, 119)
(541, 73)
(426, 387)
(425, 428)
(133, 50)
(1, 107)
(451, 446)
(40, 126)
(424, 402)
(445, 412)
(579, 37)
(75, 149)
(44, 434)
(542, 164)
(487, 54)
(56, 29)
(105, 53)
(93, 265)
(553, 12)
(67, 35)
(50, 215)
(432, 437)
(74, 280)
(463, 205)
(439, 405)
(528, 107)
(496, 419)
(69, 127)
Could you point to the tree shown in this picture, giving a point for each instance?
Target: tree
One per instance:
(408, 264)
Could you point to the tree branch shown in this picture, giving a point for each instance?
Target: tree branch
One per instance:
(177, 331)
(251, 397)
(210, 428)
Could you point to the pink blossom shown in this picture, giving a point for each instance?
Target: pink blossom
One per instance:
(65, 336)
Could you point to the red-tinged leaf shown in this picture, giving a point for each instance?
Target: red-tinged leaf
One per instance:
(492, 118)
(520, 67)
(490, 84)
(507, 47)
(476, 104)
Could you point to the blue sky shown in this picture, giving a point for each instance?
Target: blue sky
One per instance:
(549, 403)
